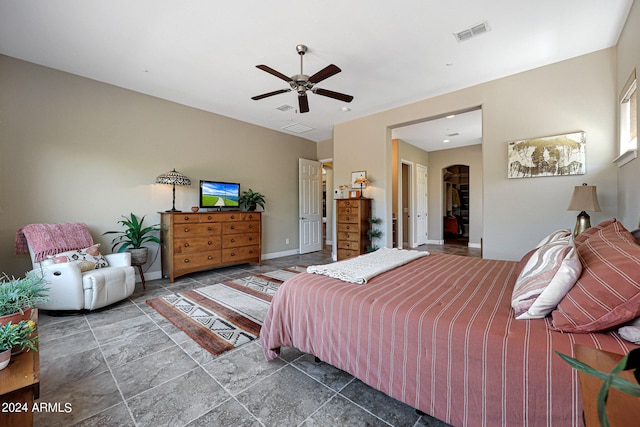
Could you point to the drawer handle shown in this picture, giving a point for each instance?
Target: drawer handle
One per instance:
(348, 218)
(348, 235)
(209, 242)
(233, 254)
(209, 217)
(209, 228)
(347, 210)
(250, 251)
(186, 245)
(348, 227)
(250, 216)
(186, 229)
(209, 257)
(233, 227)
(251, 239)
(233, 240)
(251, 226)
(348, 245)
(186, 260)
(186, 218)
(233, 217)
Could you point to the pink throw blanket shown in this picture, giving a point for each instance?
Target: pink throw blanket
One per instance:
(51, 239)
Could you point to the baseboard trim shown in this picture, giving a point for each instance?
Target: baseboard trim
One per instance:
(475, 245)
(280, 254)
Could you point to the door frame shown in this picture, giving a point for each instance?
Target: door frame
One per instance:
(400, 219)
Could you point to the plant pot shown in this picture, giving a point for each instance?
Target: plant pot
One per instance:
(139, 256)
(16, 317)
(5, 358)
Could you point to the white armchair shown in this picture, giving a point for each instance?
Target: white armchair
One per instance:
(73, 289)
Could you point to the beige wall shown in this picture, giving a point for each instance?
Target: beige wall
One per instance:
(628, 58)
(438, 160)
(73, 149)
(577, 94)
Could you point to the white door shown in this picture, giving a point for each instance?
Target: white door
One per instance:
(421, 205)
(310, 209)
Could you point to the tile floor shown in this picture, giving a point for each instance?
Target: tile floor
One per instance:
(127, 365)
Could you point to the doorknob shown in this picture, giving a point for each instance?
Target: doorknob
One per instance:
(302, 217)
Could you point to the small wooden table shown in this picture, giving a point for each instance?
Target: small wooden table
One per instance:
(19, 387)
(622, 409)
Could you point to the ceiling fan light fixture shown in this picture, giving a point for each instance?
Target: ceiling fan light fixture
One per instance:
(302, 83)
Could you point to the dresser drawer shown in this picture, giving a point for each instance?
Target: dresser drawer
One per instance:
(200, 259)
(349, 244)
(350, 236)
(229, 216)
(201, 229)
(237, 240)
(346, 227)
(196, 244)
(186, 218)
(244, 253)
(346, 253)
(241, 227)
(349, 210)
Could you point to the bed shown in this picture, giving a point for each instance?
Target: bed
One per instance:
(439, 334)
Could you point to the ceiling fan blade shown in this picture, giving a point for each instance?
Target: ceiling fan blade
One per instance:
(325, 73)
(332, 94)
(265, 95)
(303, 102)
(274, 72)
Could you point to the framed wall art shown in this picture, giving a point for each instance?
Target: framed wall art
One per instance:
(557, 155)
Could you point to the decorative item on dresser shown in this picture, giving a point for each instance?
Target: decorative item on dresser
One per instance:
(173, 178)
(352, 226)
(204, 240)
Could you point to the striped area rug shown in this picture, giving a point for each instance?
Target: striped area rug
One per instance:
(226, 315)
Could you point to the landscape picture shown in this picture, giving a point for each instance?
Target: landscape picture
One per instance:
(220, 194)
(549, 156)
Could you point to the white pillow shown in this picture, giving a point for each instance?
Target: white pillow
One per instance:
(563, 234)
(630, 333)
(87, 259)
(549, 274)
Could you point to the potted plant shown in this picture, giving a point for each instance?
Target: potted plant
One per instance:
(19, 335)
(249, 200)
(133, 237)
(18, 296)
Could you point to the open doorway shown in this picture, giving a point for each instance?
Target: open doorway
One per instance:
(456, 203)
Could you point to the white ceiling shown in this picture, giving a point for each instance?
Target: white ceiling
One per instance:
(203, 53)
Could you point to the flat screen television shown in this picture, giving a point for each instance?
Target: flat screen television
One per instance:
(219, 195)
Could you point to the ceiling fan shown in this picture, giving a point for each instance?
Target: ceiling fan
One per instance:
(302, 83)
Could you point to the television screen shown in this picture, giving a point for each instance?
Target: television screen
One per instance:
(215, 194)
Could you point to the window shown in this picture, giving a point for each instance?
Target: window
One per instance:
(629, 115)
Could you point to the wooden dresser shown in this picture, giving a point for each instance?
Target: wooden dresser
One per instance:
(352, 224)
(204, 240)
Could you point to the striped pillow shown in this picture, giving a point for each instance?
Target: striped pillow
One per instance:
(546, 278)
(584, 236)
(607, 294)
(564, 234)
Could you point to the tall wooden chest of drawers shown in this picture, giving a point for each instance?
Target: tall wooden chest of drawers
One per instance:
(200, 241)
(352, 224)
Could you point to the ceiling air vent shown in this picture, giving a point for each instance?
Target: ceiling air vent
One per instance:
(297, 128)
(473, 31)
(453, 134)
(284, 107)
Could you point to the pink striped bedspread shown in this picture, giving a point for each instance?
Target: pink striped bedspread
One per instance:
(438, 334)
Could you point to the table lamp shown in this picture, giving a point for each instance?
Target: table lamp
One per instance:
(174, 178)
(584, 199)
(362, 180)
